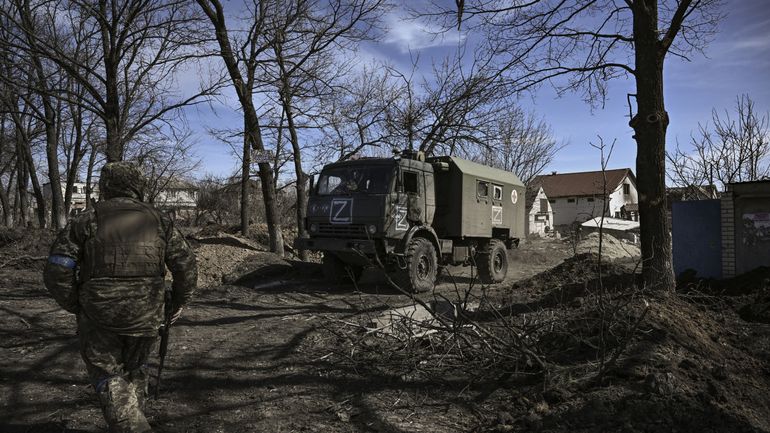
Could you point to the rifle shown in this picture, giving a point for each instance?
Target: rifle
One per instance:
(164, 334)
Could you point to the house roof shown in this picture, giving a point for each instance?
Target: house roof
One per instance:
(533, 189)
(484, 171)
(586, 183)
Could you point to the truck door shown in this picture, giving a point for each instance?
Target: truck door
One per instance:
(430, 198)
(414, 187)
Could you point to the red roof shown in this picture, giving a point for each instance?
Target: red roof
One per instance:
(587, 183)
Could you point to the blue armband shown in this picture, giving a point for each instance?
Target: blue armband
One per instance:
(65, 261)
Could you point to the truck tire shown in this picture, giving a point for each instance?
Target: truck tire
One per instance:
(421, 267)
(338, 272)
(492, 262)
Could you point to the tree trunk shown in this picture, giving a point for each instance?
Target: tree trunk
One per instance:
(21, 194)
(253, 135)
(649, 126)
(7, 213)
(245, 175)
(77, 158)
(58, 220)
(90, 175)
(4, 200)
(30, 173)
(301, 178)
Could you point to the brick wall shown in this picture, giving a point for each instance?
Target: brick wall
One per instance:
(728, 233)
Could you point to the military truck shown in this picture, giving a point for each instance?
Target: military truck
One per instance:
(413, 215)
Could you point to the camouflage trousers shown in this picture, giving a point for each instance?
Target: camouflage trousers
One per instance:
(116, 367)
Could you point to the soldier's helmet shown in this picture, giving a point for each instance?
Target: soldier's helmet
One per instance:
(122, 179)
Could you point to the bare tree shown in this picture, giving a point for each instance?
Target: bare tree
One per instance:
(521, 143)
(734, 148)
(125, 54)
(449, 112)
(241, 65)
(165, 158)
(353, 120)
(302, 38)
(579, 46)
(7, 162)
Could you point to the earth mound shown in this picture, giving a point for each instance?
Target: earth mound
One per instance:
(612, 248)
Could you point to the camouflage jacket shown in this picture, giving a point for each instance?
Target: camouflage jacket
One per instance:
(127, 305)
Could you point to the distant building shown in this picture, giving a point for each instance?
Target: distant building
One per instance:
(78, 200)
(578, 197)
(692, 192)
(177, 197)
(539, 211)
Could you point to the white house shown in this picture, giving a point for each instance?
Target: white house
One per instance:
(578, 197)
(78, 201)
(179, 198)
(539, 211)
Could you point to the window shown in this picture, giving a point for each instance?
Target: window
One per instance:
(626, 189)
(552, 201)
(570, 200)
(482, 189)
(410, 183)
(497, 192)
(590, 199)
(543, 205)
(354, 179)
(74, 189)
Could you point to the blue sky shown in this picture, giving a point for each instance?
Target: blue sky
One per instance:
(736, 62)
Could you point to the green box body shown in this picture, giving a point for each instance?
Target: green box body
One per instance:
(461, 212)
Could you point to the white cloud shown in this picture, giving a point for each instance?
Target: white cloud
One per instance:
(761, 42)
(413, 34)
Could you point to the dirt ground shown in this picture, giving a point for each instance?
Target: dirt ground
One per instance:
(279, 350)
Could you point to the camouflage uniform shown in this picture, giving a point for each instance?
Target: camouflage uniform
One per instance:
(107, 266)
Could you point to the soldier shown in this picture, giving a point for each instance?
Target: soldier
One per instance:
(107, 267)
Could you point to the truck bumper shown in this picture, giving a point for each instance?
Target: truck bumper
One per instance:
(355, 246)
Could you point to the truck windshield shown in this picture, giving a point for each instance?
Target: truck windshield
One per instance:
(352, 180)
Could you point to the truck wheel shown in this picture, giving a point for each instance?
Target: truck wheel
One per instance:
(421, 266)
(338, 272)
(492, 262)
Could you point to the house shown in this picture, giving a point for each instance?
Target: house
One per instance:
(177, 197)
(539, 211)
(578, 197)
(78, 199)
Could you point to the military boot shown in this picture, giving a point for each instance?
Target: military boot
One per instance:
(139, 381)
(121, 407)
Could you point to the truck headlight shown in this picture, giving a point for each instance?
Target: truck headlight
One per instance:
(313, 228)
(371, 229)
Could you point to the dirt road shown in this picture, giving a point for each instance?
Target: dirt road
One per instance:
(240, 360)
(285, 352)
